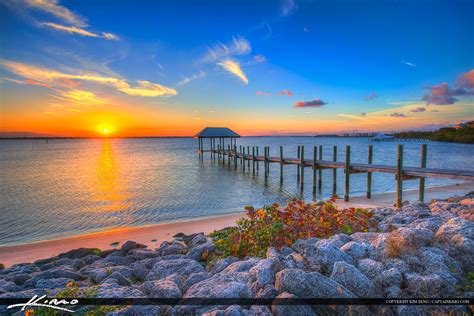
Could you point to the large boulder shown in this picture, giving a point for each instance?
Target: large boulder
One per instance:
(240, 269)
(424, 285)
(284, 310)
(352, 279)
(165, 288)
(173, 248)
(320, 258)
(201, 251)
(130, 245)
(370, 268)
(458, 237)
(181, 267)
(356, 250)
(263, 273)
(52, 283)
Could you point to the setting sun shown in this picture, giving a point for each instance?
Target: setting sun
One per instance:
(105, 131)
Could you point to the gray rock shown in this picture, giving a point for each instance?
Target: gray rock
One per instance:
(181, 267)
(241, 269)
(458, 236)
(20, 278)
(98, 275)
(309, 284)
(59, 272)
(119, 292)
(193, 279)
(89, 259)
(140, 254)
(348, 276)
(139, 270)
(161, 289)
(130, 245)
(364, 238)
(173, 248)
(118, 260)
(337, 240)
(236, 310)
(263, 273)
(145, 310)
(52, 283)
(424, 285)
(391, 277)
(221, 264)
(197, 240)
(8, 286)
(285, 310)
(219, 286)
(320, 258)
(201, 251)
(119, 278)
(79, 253)
(260, 310)
(268, 291)
(293, 261)
(356, 250)
(371, 268)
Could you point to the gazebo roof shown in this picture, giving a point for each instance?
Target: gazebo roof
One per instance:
(216, 132)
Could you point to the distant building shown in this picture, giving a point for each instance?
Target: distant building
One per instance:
(463, 125)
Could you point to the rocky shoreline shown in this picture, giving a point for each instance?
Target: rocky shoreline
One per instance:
(417, 251)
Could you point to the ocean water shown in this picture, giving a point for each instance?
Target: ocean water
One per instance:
(67, 187)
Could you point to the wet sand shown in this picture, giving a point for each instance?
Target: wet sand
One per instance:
(10, 255)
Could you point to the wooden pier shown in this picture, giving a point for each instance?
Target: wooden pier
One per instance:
(249, 156)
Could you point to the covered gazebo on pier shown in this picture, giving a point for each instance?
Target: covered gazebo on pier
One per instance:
(215, 134)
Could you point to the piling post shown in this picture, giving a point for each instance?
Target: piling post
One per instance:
(243, 158)
(235, 156)
(369, 174)
(266, 162)
(334, 171)
(258, 162)
(302, 167)
(347, 173)
(253, 160)
(424, 148)
(228, 154)
(320, 171)
(399, 176)
(298, 167)
(281, 164)
(315, 157)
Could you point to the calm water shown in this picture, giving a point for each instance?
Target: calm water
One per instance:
(70, 187)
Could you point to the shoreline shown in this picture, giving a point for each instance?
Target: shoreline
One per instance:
(153, 235)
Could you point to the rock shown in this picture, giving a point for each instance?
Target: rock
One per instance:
(130, 245)
(458, 236)
(268, 291)
(89, 259)
(173, 248)
(119, 292)
(221, 264)
(320, 258)
(284, 310)
(236, 310)
(59, 272)
(98, 275)
(260, 310)
(8, 286)
(140, 254)
(241, 269)
(52, 283)
(293, 261)
(356, 250)
(371, 268)
(79, 253)
(337, 240)
(197, 240)
(219, 286)
(348, 276)
(193, 279)
(424, 285)
(364, 238)
(161, 289)
(20, 278)
(201, 251)
(119, 260)
(145, 310)
(120, 279)
(181, 267)
(309, 284)
(139, 270)
(391, 277)
(263, 273)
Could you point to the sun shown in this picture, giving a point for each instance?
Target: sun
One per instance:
(105, 130)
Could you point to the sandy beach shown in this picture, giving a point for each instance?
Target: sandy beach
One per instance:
(153, 235)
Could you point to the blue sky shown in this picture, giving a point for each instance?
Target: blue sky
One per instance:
(261, 67)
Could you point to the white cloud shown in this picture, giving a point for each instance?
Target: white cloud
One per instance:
(238, 46)
(52, 7)
(186, 80)
(408, 63)
(233, 67)
(77, 30)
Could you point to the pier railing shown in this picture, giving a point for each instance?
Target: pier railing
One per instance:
(250, 155)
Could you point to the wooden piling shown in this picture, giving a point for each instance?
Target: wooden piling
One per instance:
(257, 160)
(334, 171)
(228, 154)
(298, 167)
(399, 198)
(421, 192)
(241, 158)
(320, 171)
(315, 157)
(235, 156)
(253, 160)
(265, 155)
(281, 164)
(347, 173)
(248, 160)
(369, 174)
(302, 167)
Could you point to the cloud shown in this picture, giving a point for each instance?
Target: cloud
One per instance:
(371, 97)
(233, 67)
(81, 97)
(286, 92)
(395, 114)
(77, 30)
(187, 80)
(418, 109)
(263, 93)
(237, 47)
(56, 78)
(316, 103)
(466, 80)
(288, 7)
(36, 83)
(442, 94)
(259, 59)
(52, 7)
(408, 63)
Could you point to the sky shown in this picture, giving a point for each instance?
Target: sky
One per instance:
(289, 67)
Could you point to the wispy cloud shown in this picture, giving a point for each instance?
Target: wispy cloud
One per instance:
(408, 63)
(466, 80)
(371, 97)
(36, 83)
(77, 30)
(396, 114)
(418, 109)
(237, 47)
(186, 80)
(288, 7)
(81, 97)
(286, 92)
(234, 68)
(56, 78)
(350, 116)
(316, 103)
(263, 93)
(52, 7)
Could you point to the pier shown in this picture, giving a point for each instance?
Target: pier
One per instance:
(240, 155)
